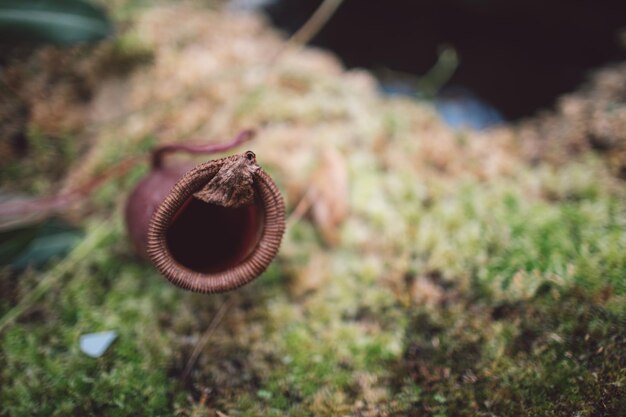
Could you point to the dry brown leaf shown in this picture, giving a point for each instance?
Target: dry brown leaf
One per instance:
(330, 195)
(327, 196)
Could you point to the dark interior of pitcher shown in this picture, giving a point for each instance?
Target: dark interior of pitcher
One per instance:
(209, 238)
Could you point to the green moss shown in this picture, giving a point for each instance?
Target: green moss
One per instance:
(559, 353)
(526, 314)
(559, 241)
(44, 372)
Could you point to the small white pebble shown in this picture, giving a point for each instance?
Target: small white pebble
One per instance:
(95, 344)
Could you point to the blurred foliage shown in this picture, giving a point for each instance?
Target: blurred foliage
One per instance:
(36, 245)
(61, 22)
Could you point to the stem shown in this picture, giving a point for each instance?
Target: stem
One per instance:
(311, 27)
(13, 213)
(29, 209)
(159, 153)
(316, 22)
(215, 321)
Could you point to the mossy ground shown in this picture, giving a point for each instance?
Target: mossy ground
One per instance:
(464, 279)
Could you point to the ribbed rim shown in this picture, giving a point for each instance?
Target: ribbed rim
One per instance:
(241, 274)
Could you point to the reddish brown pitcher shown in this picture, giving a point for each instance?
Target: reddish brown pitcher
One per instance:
(209, 228)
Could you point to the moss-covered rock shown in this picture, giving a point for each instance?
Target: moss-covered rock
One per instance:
(458, 273)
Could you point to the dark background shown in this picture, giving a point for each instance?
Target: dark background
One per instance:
(518, 55)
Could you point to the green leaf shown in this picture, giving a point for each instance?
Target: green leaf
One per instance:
(14, 242)
(36, 245)
(60, 22)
